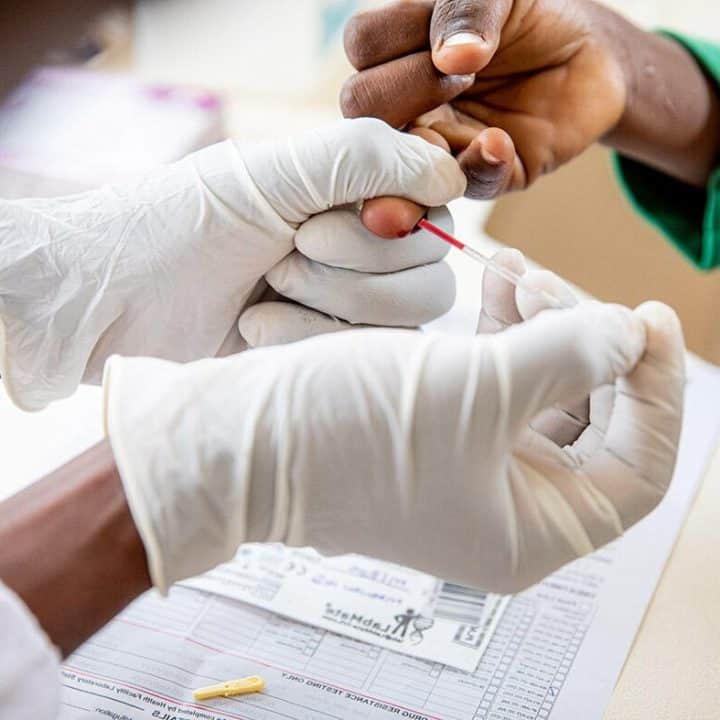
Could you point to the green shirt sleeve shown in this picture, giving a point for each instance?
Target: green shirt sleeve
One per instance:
(689, 217)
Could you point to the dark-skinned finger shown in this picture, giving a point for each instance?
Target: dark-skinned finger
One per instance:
(401, 90)
(499, 309)
(465, 34)
(431, 136)
(443, 113)
(377, 36)
(489, 163)
(457, 135)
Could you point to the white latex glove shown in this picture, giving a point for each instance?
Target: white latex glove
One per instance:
(165, 266)
(409, 447)
(342, 276)
(504, 305)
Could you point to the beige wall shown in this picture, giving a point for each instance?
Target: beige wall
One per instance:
(577, 223)
(701, 17)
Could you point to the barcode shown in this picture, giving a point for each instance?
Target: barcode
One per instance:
(460, 604)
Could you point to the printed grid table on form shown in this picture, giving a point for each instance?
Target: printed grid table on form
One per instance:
(159, 651)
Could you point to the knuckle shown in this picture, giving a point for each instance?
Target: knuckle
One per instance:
(579, 344)
(353, 37)
(363, 38)
(623, 325)
(352, 98)
(452, 15)
(607, 339)
(356, 97)
(574, 334)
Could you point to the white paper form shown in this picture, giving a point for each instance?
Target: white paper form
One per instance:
(151, 658)
(555, 655)
(366, 599)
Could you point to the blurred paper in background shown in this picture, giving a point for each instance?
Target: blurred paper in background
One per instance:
(278, 49)
(279, 64)
(105, 127)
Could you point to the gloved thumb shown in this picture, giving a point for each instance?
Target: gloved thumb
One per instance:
(564, 355)
(349, 162)
(465, 35)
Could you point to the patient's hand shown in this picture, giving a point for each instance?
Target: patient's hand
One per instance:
(542, 82)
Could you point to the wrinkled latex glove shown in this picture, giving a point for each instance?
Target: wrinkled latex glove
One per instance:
(341, 276)
(413, 448)
(165, 266)
(504, 305)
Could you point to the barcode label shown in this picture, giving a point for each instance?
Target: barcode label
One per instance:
(460, 604)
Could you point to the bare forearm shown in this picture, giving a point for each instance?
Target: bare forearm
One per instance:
(69, 548)
(672, 114)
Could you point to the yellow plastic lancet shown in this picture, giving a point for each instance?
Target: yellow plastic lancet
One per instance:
(251, 684)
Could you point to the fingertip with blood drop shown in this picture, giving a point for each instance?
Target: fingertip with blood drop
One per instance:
(391, 217)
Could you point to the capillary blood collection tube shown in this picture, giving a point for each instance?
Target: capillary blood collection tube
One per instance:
(512, 277)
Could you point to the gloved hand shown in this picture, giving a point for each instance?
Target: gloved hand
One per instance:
(409, 447)
(165, 266)
(504, 305)
(342, 276)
